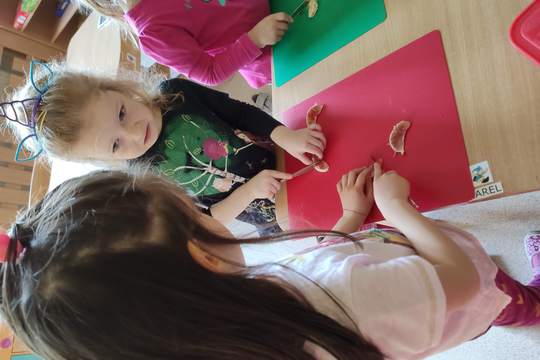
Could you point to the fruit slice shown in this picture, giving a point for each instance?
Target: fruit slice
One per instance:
(322, 166)
(313, 6)
(311, 118)
(397, 136)
(313, 114)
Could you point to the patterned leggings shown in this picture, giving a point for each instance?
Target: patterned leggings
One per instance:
(524, 309)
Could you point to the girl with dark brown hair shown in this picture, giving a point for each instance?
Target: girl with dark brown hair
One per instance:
(118, 265)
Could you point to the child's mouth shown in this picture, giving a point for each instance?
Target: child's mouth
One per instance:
(147, 134)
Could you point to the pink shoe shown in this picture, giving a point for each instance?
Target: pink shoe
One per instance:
(532, 249)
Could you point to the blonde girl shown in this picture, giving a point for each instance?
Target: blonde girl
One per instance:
(218, 148)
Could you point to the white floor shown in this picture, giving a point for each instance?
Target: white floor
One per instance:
(500, 225)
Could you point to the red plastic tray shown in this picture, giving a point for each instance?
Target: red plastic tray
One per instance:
(413, 83)
(525, 32)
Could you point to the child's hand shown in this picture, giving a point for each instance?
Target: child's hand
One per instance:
(389, 187)
(355, 190)
(265, 184)
(299, 142)
(270, 30)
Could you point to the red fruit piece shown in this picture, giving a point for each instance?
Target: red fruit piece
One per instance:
(311, 118)
(313, 6)
(322, 166)
(313, 114)
(397, 136)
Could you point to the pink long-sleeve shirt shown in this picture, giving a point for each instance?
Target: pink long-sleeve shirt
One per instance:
(202, 39)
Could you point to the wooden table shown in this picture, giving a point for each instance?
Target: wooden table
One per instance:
(497, 89)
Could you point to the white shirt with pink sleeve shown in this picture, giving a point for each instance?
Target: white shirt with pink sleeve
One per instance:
(393, 296)
(203, 39)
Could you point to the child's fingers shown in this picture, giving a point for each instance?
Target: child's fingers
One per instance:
(351, 177)
(339, 187)
(369, 190)
(282, 26)
(361, 177)
(314, 151)
(318, 135)
(356, 174)
(270, 188)
(317, 143)
(282, 16)
(343, 182)
(275, 186)
(279, 174)
(315, 126)
(279, 32)
(377, 170)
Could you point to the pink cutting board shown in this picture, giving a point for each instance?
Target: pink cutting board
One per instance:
(412, 84)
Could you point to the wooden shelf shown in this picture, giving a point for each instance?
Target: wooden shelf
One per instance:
(64, 20)
(43, 25)
(29, 16)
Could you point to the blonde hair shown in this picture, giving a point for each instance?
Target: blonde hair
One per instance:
(69, 91)
(113, 9)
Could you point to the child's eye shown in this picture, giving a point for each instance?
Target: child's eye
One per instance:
(122, 113)
(115, 146)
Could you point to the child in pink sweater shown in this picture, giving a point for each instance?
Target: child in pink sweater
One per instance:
(205, 40)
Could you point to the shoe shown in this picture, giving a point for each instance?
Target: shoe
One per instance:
(532, 249)
(263, 101)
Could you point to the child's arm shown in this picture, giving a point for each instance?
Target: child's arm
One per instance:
(178, 49)
(237, 114)
(242, 116)
(355, 190)
(263, 185)
(456, 271)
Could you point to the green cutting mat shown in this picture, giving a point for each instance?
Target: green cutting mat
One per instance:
(308, 41)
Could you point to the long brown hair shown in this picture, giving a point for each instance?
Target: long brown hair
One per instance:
(105, 274)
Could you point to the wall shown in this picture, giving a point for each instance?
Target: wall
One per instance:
(14, 182)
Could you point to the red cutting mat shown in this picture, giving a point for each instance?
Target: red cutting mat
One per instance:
(412, 84)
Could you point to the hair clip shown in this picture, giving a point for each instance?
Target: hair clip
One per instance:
(5, 240)
(9, 111)
(48, 77)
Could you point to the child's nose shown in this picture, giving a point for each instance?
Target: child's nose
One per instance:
(136, 131)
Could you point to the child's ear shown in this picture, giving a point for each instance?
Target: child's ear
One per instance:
(205, 259)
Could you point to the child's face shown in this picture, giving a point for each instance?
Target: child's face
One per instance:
(116, 127)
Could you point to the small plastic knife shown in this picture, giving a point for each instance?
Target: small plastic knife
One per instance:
(299, 8)
(304, 170)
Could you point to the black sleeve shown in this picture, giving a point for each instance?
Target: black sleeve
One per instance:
(237, 114)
